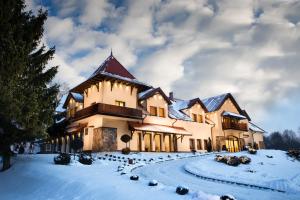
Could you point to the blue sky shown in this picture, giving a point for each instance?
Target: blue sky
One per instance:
(196, 48)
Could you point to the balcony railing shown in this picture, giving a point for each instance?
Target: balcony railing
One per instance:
(106, 109)
(235, 126)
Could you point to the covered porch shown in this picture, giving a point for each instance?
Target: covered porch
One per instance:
(156, 138)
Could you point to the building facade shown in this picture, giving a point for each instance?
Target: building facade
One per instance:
(112, 102)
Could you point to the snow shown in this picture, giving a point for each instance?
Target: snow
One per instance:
(233, 115)
(255, 128)
(212, 103)
(280, 172)
(61, 102)
(173, 173)
(78, 97)
(36, 177)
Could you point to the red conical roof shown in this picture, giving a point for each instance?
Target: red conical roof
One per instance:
(111, 65)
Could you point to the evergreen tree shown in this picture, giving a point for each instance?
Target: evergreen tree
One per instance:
(28, 97)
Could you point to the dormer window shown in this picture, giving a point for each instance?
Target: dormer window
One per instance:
(161, 112)
(194, 116)
(120, 103)
(153, 111)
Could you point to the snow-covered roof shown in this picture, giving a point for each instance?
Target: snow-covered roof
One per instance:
(235, 115)
(151, 92)
(61, 102)
(141, 95)
(175, 110)
(255, 128)
(213, 103)
(77, 97)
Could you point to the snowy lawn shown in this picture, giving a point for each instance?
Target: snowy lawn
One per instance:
(37, 177)
(278, 171)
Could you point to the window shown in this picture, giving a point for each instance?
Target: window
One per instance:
(161, 112)
(192, 144)
(200, 119)
(120, 103)
(205, 144)
(199, 146)
(194, 117)
(153, 111)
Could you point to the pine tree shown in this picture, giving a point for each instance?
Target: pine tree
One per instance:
(28, 97)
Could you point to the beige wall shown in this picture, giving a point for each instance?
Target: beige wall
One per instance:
(216, 117)
(110, 92)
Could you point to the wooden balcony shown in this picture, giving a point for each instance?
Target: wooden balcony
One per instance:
(235, 126)
(106, 109)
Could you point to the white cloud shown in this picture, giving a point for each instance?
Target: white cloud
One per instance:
(200, 48)
(94, 12)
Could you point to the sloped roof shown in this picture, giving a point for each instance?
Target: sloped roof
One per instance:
(76, 96)
(255, 128)
(214, 103)
(152, 91)
(111, 65)
(113, 70)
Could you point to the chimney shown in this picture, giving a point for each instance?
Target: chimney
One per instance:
(171, 96)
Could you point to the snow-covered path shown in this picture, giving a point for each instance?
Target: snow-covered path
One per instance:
(172, 173)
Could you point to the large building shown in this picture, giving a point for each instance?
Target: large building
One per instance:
(112, 102)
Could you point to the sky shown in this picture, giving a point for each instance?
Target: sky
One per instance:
(195, 48)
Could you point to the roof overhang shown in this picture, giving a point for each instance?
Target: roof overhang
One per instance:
(147, 127)
(233, 115)
(108, 77)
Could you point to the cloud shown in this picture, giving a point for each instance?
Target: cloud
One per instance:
(197, 49)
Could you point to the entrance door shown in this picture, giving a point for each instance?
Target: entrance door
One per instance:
(232, 144)
(167, 143)
(157, 139)
(147, 140)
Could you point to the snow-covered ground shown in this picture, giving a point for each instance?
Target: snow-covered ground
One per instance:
(277, 171)
(36, 177)
(173, 172)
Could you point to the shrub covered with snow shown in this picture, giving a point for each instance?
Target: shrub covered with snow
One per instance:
(244, 159)
(153, 183)
(220, 158)
(62, 159)
(182, 190)
(252, 151)
(85, 159)
(233, 161)
(134, 177)
(227, 197)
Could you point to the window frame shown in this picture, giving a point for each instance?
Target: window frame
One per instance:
(192, 144)
(199, 144)
(150, 111)
(163, 112)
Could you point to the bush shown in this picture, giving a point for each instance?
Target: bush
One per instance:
(62, 159)
(233, 161)
(126, 151)
(227, 197)
(153, 183)
(244, 159)
(294, 153)
(252, 151)
(134, 178)
(220, 158)
(182, 190)
(85, 159)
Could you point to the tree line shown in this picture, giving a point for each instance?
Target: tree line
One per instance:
(286, 140)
